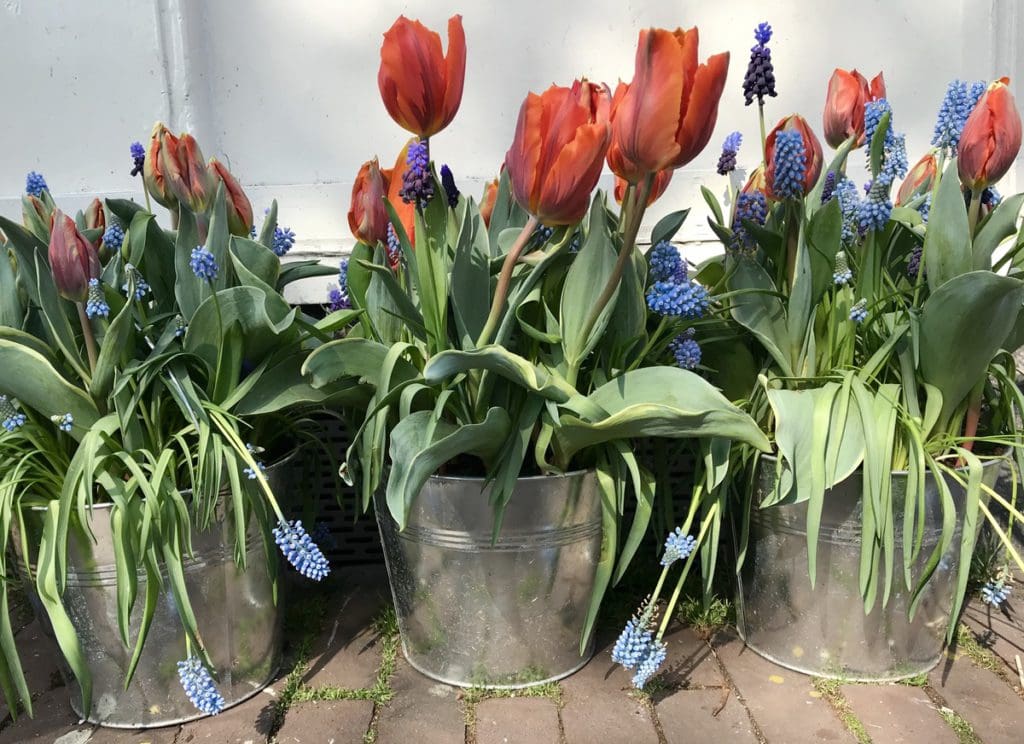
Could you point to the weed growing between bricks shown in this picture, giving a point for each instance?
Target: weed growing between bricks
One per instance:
(962, 728)
(967, 643)
(830, 690)
(473, 696)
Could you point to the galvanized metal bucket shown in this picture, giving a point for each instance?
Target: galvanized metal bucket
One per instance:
(502, 614)
(824, 631)
(235, 610)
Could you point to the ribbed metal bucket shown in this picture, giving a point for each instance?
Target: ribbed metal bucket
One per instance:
(824, 631)
(502, 614)
(235, 612)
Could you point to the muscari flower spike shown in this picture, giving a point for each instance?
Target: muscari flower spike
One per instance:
(135, 279)
(994, 593)
(829, 187)
(300, 550)
(180, 326)
(203, 264)
(849, 205)
(394, 248)
(138, 153)
(990, 197)
(113, 236)
(64, 422)
(873, 212)
(11, 419)
(337, 297)
(914, 262)
(686, 350)
(95, 304)
(790, 159)
(957, 105)
(541, 234)
(752, 207)
(677, 547)
(417, 185)
(637, 649)
(284, 239)
(253, 450)
(666, 263)
(451, 191)
(760, 78)
(727, 160)
(841, 274)
(199, 686)
(683, 299)
(859, 312)
(35, 184)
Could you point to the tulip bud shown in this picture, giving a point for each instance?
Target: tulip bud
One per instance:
(37, 216)
(95, 219)
(991, 138)
(73, 259)
(919, 180)
(187, 175)
(490, 198)
(153, 174)
(848, 92)
(239, 208)
(367, 213)
(795, 168)
(756, 182)
(658, 186)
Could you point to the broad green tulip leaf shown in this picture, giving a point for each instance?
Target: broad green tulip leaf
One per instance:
(26, 247)
(471, 279)
(256, 259)
(643, 489)
(218, 238)
(399, 306)
(266, 237)
(11, 312)
(956, 348)
(947, 243)
(1001, 224)
(282, 387)
(123, 209)
(420, 444)
(506, 214)
(499, 360)
(669, 225)
(760, 311)
(657, 402)
(627, 325)
(338, 320)
(533, 304)
(293, 271)
(611, 485)
(712, 201)
(30, 378)
(589, 274)
(57, 317)
(153, 253)
(189, 289)
(114, 348)
(348, 357)
(823, 242)
(30, 341)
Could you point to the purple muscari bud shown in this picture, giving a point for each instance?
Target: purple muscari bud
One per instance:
(727, 160)
(914, 262)
(138, 157)
(338, 297)
(760, 78)
(450, 189)
(417, 183)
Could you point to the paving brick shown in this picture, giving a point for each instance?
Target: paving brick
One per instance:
(1003, 635)
(898, 714)
(328, 722)
(778, 698)
(599, 708)
(247, 723)
(347, 651)
(709, 715)
(38, 654)
(689, 661)
(982, 698)
(422, 711)
(517, 721)
(53, 719)
(165, 735)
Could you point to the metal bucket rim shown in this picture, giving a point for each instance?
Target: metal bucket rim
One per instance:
(993, 461)
(529, 478)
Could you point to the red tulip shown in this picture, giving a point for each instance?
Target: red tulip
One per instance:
(239, 208)
(186, 173)
(488, 201)
(848, 92)
(991, 138)
(812, 153)
(664, 118)
(95, 219)
(658, 186)
(368, 214)
(73, 259)
(421, 87)
(393, 180)
(153, 170)
(919, 179)
(756, 182)
(558, 151)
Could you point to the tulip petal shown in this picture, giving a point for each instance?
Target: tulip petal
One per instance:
(455, 69)
(406, 212)
(702, 111)
(523, 157)
(565, 192)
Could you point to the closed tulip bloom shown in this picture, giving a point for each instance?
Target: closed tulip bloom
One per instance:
(558, 151)
(809, 165)
(422, 87)
(368, 214)
(239, 208)
(848, 92)
(153, 170)
(187, 174)
(73, 259)
(756, 182)
(658, 186)
(95, 219)
(991, 138)
(665, 116)
(489, 199)
(919, 179)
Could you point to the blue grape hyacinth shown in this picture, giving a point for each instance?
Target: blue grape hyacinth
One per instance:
(759, 80)
(11, 419)
(199, 686)
(180, 326)
(113, 236)
(649, 664)
(957, 105)
(138, 153)
(686, 350)
(829, 187)
(35, 184)
(632, 644)
(842, 275)
(451, 191)
(337, 296)
(250, 473)
(394, 247)
(789, 161)
(677, 547)
(859, 311)
(727, 160)
(284, 239)
(994, 593)
(417, 183)
(300, 550)
(686, 299)
(64, 422)
(95, 304)
(666, 263)
(136, 280)
(203, 264)
(751, 207)
(874, 212)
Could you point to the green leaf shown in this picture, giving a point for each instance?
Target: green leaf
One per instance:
(113, 349)
(669, 225)
(348, 357)
(823, 243)
(471, 279)
(712, 201)
(123, 209)
(956, 348)
(499, 360)
(760, 311)
(269, 227)
(188, 288)
(420, 444)
(1001, 224)
(294, 271)
(586, 280)
(256, 259)
(281, 387)
(30, 378)
(610, 489)
(947, 242)
(11, 312)
(878, 143)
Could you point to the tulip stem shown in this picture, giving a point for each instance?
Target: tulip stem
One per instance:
(764, 137)
(90, 339)
(505, 280)
(975, 210)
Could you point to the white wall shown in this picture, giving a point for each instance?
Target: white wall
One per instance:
(286, 92)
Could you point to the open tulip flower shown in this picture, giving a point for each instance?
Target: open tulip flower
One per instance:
(843, 116)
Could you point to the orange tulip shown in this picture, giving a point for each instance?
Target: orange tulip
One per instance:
(848, 92)
(991, 138)
(239, 207)
(153, 170)
(756, 182)
(421, 87)
(919, 179)
(95, 219)
(186, 173)
(368, 215)
(658, 186)
(393, 184)
(488, 201)
(558, 151)
(664, 118)
(73, 259)
(812, 153)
